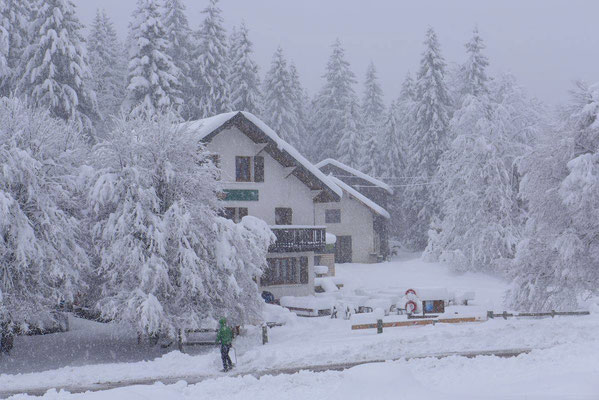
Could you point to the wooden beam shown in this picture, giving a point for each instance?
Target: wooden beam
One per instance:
(289, 171)
(260, 148)
(417, 322)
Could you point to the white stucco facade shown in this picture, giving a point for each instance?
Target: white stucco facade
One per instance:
(279, 189)
(357, 221)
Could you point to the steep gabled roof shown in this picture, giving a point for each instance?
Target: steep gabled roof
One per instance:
(280, 150)
(355, 172)
(360, 197)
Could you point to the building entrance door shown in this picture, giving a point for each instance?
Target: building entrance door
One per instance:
(343, 251)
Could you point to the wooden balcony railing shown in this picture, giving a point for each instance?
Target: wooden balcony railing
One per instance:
(291, 238)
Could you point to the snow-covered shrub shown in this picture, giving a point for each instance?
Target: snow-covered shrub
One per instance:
(41, 259)
(240, 252)
(165, 259)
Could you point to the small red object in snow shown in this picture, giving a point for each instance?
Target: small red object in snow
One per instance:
(411, 306)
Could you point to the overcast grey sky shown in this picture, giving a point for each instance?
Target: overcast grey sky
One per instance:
(546, 44)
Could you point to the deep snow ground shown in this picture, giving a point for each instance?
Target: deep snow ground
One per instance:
(569, 346)
(567, 371)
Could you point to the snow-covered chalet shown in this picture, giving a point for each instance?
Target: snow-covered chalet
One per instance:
(265, 177)
(360, 220)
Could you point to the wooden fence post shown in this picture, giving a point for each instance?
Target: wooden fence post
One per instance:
(264, 334)
(180, 341)
(379, 326)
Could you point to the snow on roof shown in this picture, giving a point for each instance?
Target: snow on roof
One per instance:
(353, 171)
(206, 126)
(363, 199)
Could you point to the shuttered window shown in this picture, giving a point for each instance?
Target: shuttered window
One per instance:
(258, 169)
(304, 270)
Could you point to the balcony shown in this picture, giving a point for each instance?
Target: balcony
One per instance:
(294, 238)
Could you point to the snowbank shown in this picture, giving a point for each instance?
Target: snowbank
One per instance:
(565, 372)
(327, 283)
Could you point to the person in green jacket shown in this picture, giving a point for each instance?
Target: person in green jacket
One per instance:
(225, 338)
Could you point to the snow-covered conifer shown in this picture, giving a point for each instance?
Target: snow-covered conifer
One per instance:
(331, 103)
(278, 99)
(300, 110)
(555, 262)
(350, 146)
(370, 155)
(56, 73)
(210, 64)
(428, 139)
(180, 41)
(481, 217)
(480, 223)
(107, 64)
(244, 80)
(41, 259)
(474, 70)
(392, 152)
(152, 83)
(15, 17)
(373, 106)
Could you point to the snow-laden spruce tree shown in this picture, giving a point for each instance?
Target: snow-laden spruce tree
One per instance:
(331, 103)
(108, 66)
(153, 84)
(373, 107)
(555, 264)
(480, 223)
(474, 75)
(428, 140)
(300, 101)
(370, 155)
(481, 218)
(391, 146)
(278, 101)
(244, 79)
(41, 259)
(350, 145)
(210, 66)
(55, 73)
(166, 260)
(373, 110)
(15, 17)
(5, 70)
(179, 37)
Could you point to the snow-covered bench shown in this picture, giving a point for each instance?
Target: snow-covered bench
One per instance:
(307, 306)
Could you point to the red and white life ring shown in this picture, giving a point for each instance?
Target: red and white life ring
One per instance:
(411, 306)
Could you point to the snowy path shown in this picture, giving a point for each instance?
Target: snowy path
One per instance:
(169, 380)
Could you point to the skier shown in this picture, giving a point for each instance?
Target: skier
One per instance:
(225, 338)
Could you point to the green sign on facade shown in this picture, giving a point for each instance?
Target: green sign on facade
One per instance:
(240, 195)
